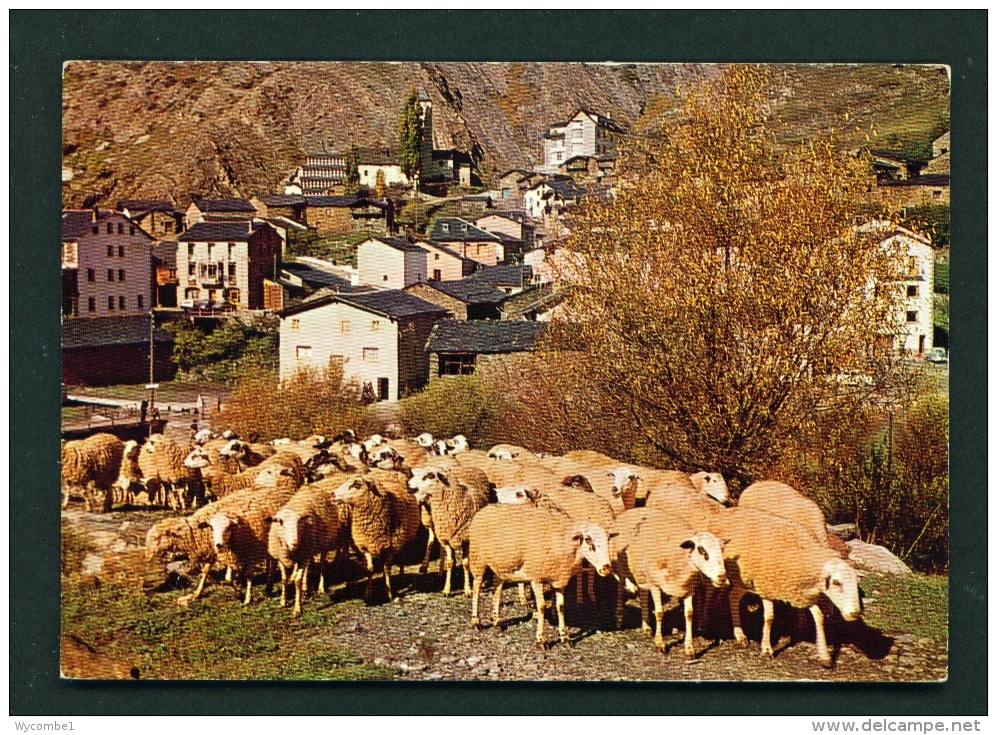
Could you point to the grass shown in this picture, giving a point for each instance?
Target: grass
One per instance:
(175, 391)
(339, 249)
(214, 638)
(917, 604)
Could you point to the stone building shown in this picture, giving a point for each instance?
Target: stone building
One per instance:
(158, 217)
(113, 350)
(465, 299)
(584, 134)
(391, 262)
(475, 347)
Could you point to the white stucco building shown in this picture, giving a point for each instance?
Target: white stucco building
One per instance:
(391, 262)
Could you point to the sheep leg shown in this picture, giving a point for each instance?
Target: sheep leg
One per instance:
(475, 594)
(538, 594)
(769, 609)
(65, 497)
(320, 560)
(736, 593)
(579, 578)
(690, 643)
(465, 563)
(386, 557)
(299, 584)
(370, 575)
(424, 567)
(591, 585)
(283, 585)
(249, 590)
(562, 628)
(645, 617)
(448, 550)
(496, 604)
(659, 615)
(522, 595)
(183, 600)
(822, 653)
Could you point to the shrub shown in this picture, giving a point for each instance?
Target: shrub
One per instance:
(75, 547)
(309, 402)
(229, 350)
(463, 404)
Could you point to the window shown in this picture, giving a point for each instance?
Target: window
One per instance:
(94, 229)
(231, 270)
(385, 278)
(231, 251)
(121, 251)
(457, 364)
(437, 274)
(912, 291)
(295, 324)
(204, 270)
(506, 193)
(91, 275)
(192, 294)
(167, 227)
(192, 269)
(110, 228)
(576, 134)
(912, 266)
(190, 251)
(131, 230)
(233, 296)
(110, 251)
(559, 156)
(303, 352)
(436, 256)
(110, 274)
(936, 194)
(911, 316)
(121, 303)
(212, 270)
(375, 325)
(141, 301)
(121, 228)
(371, 354)
(344, 326)
(91, 304)
(121, 274)
(445, 226)
(110, 303)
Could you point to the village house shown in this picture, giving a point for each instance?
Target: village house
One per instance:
(217, 210)
(477, 347)
(465, 299)
(541, 302)
(919, 191)
(468, 240)
(293, 207)
(347, 213)
(311, 277)
(584, 134)
(164, 273)
(511, 186)
(551, 196)
(224, 264)
(322, 173)
(158, 217)
(391, 262)
(515, 223)
(890, 164)
(112, 350)
(446, 264)
(939, 163)
(379, 338)
(373, 160)
(106, 264)
(590, 170)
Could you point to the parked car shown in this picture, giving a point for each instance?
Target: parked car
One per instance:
(937, 354)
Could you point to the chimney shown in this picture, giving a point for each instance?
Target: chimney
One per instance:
(95, 210)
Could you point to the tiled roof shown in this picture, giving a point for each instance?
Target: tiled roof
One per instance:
(485, 336)
(237, 231)
(450, 229)
(141, 206)
(504, 275)
(469, 291)
(400, 243)
(318, 278)
(224, 205)
(392, 303)
(103, 331)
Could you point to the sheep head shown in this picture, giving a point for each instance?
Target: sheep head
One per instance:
(286, 521)
(424, 440)
(706, 553)
(623, 479)
(235, 448)
(352, 489)
(593, 546)
(578, 482)
(841, 585)
(516, 495)
(221, 525)
(503, 454)
(269, 476)
(713, 484)
(197, 459)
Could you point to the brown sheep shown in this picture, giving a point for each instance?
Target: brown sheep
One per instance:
(91, 466)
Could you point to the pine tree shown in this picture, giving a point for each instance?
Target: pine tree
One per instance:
(380, 188)
(410, 136)
(351, 179)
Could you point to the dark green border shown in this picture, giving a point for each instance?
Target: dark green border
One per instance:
(41, 41)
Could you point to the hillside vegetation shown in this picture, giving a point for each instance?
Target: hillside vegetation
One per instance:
(158, 129)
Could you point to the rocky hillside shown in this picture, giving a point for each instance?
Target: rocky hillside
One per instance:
(234, 129)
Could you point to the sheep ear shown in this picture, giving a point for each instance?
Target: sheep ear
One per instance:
(443, 478)
(203, 524)
(612, 534)
(578, 537)
(269, 519)
(827, 582)
(688, 544)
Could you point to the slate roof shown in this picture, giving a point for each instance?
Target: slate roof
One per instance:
(342, 200)
(166, 252)
(79, 222)
(565, 188)
(601, 120)
(519, 216)
(485, 337)
(282, 200)
(224, 205)
(237, 231)
(392, 303)
(922, 180)
(894, 154)
(103, 331)
(460, 230)
(469, 291)
(400, 243)
(444, 249)
(141, 206)
(504, 275)
(317, 277)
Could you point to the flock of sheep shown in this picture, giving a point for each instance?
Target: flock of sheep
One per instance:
(531, 519)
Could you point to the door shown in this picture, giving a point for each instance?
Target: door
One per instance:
(920, 345)
(437, 274)
(382, 389)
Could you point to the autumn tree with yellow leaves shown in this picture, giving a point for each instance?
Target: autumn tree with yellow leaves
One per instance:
(728, 294)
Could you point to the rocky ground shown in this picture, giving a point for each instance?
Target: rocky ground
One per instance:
(423, 635)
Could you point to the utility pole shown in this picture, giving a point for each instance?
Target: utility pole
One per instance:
(152, 366)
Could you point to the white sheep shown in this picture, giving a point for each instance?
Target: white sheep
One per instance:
(89, 465)
(522, 543)
(283, 441)
(661, 554)
(308, 526)
(130, 474)
(781, 560)
(425, 440)
(712, 484)
(166, 475)
(384, 518)
(203, 436)
(452, 497)
(509, 451)
(786, 502)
